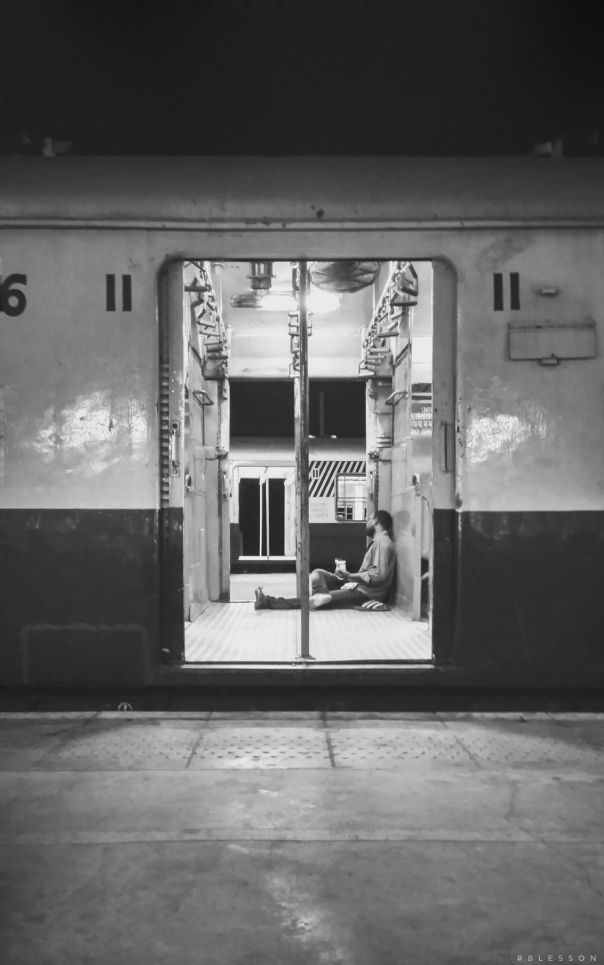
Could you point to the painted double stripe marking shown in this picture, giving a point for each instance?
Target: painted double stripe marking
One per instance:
(126, 293)
(498, 300)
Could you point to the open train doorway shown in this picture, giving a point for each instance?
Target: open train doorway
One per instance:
(381, 344)
(231, 487)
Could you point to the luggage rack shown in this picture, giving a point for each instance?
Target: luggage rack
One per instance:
(400, 293)
(206, 308)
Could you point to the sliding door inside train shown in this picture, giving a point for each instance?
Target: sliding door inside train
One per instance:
(263, 508)
(230, 485)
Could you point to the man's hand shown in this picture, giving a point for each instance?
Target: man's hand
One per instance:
(357, 577)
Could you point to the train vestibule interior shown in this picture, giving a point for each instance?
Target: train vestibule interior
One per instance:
(233, 359)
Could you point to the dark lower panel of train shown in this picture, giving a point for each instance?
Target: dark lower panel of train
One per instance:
(80, 595)
(528, 597)
(518, 604)
(327, 540)
(324, 695)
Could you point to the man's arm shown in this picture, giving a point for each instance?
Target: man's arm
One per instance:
(380, 569)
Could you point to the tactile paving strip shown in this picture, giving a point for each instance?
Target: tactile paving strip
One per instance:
(23, 742)
(128, 745)
(517, 746)
(387, 747)
(116, 744)
(261, 747)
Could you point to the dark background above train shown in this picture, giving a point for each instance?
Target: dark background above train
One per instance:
(312, 77)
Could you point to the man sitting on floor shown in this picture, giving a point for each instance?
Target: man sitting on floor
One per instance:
(342, 589)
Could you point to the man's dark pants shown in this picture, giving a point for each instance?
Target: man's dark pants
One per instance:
(322, 582)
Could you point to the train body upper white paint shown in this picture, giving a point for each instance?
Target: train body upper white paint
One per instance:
(79, 385)
(277, 192)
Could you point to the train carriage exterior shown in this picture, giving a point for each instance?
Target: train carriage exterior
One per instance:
(100, 255)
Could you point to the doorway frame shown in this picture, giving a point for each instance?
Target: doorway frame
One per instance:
(444, 556)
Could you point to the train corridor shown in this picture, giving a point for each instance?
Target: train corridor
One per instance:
(251, 838)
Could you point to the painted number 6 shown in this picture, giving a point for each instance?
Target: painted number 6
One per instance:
(13, 300)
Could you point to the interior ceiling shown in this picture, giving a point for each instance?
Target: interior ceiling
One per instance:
(354, 311)
(260, 342)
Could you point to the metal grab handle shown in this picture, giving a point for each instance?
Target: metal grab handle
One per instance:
(446, 450)
(174, 437)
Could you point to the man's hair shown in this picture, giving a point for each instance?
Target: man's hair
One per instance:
(384, 519)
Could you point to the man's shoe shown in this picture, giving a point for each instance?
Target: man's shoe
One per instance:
(260, 603)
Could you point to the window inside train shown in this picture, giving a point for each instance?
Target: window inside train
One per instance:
(351, 498)
(230, 463)
(337, 409)
(261, 408)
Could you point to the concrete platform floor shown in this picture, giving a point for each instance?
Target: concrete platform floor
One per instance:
(302, 838)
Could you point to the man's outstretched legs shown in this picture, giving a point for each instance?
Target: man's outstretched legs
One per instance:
(265, 602)
(320, 585)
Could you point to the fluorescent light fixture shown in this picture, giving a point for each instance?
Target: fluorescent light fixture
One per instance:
(318, 302)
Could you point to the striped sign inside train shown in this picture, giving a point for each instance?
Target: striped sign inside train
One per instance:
(323, 475)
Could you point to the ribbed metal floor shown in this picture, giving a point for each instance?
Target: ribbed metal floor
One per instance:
(235, 632)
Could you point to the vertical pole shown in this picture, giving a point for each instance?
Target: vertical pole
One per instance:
(302, 465)
(268, 517)
(297, 514)
(261, 519)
